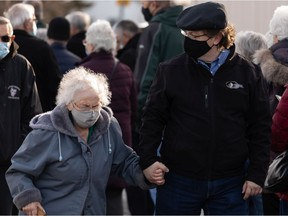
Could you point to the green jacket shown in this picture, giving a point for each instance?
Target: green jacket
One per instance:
(160, 41)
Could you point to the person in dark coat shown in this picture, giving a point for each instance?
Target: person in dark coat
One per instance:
(208, 111)
(127, 34)
(100, 43)
(37, 51)
(58, 34)
(19, 102)
(79, 22)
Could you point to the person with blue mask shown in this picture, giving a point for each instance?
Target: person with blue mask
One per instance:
(19, 102)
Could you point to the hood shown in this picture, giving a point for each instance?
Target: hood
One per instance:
(168, 16)
(59, 120)
(272, 70)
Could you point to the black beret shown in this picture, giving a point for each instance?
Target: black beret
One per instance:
(208, 15)
(59, 29)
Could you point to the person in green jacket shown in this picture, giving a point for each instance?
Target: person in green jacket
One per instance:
(158, 42)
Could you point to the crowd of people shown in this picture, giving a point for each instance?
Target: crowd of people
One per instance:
(181, 114)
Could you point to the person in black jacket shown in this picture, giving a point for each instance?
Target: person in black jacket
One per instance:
(79, 22)
(209, 110)
(37, 51)
(127, 34)
(19, 102)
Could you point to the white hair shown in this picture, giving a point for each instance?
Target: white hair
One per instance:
(79, 20)
(247, 42)
(19, 13)
(79, 79)
(279, 22)
(101, 35)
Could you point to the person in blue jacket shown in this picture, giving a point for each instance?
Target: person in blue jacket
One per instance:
(64, 163)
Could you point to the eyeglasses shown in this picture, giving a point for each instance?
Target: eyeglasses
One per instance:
(192, 36)
(5, 38)
(86, 107)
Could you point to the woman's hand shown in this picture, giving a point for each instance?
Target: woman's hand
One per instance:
(34, 209)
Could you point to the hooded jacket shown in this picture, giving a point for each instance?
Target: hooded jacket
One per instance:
(19, 102)
(160, 41)
(123, 101)
(55, 167)
(274, 66)
(209, 126)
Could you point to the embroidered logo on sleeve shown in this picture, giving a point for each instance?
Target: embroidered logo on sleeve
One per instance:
(14, 92)
(233, 85)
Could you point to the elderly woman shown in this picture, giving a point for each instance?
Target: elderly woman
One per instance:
(64, 163)
(100, 44)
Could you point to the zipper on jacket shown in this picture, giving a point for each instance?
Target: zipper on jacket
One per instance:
(206, 96)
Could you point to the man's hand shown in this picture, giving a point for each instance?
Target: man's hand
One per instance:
(34, 209)
(155, 173)
(250, 189)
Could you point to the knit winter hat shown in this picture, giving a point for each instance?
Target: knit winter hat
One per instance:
(59, 29)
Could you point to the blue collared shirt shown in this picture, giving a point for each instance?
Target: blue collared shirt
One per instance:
(215, 65)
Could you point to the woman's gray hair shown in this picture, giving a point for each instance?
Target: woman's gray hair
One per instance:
(79, 79)
(101, 35)
(279, 22)
(247, 42)
(19, 13)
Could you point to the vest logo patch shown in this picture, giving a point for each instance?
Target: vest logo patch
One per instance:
(233, 85)
(14, 92)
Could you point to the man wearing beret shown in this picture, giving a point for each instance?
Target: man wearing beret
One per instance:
(209, 110)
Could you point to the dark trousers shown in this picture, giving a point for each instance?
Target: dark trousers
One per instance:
(114, 201)
(185, 196)
(139, 201)
(6, 204)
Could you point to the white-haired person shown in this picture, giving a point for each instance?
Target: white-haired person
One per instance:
(274, 65)
(248, 42)
(37, 51)
(64, 163)
(100, 44)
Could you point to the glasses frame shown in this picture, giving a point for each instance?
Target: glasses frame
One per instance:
(86, 108)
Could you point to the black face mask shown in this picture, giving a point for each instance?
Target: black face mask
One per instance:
(147, 14)
(195, 48)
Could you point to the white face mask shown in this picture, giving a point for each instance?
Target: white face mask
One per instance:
(4, 49)
(85, 119)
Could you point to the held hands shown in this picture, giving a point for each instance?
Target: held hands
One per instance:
(155, 173)
(250, 189)
(34, 209)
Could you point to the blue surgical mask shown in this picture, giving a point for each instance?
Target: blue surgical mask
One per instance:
(4, 49)
(85, 119)
(34, 29)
